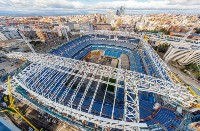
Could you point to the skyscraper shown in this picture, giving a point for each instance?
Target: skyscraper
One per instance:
(109, 17)
(118, 13)
(122, 10)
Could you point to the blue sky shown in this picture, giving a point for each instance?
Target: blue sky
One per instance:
(96, 5)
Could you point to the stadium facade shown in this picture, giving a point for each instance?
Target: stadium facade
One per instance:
(184, 54)
(94, 96)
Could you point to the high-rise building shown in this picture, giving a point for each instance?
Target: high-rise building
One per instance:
(122, 10)
(95, 19)
(118, 13)
(109, 17)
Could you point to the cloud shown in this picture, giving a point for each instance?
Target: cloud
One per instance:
(20, 3)
(3, 3)
(148, 4)
(185, 2)
(131, 4)
(37, 5)
(59, 4)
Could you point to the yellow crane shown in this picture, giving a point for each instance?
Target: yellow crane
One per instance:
(15, 109)
(146, 38)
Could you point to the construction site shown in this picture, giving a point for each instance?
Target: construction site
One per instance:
(97, 83)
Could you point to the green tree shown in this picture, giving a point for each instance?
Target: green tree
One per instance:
(62, 37)
(162, 48)
(113, 29)
(197, 30)
(194, 68)
(165, 31)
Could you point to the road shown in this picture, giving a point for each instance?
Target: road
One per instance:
(187, 79)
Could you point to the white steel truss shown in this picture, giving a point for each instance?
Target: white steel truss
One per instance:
(54, 71)
(27, 42)
(143, 82)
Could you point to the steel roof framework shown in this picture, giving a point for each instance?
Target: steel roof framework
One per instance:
(64, 67)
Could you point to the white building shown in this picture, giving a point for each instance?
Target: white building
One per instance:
(76, 26)
(183, 54)
(85, 26)
(110, 17)
(61, 30)
(11, 34)
(2, 37)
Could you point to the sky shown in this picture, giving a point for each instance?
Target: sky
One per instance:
(92, 6)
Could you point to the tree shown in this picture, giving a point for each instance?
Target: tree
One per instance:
(165, 31)
(197, 30)
(62, 37)
(135, 30)
(194, 68)
(113, 29)
(162, 48)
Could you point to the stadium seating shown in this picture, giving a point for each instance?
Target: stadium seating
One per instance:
(50, 83)
(167, 118)
(140, 61)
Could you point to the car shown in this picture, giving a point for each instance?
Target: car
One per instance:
(1, 61)
(2, 71)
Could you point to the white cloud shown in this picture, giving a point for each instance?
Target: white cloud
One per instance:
(20, 3)
(59, 4)
(185, 2)
(150, 4)
(36, 5)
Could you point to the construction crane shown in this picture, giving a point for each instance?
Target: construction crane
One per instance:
(4, 109)
(13, 109)
(27, 42)
(146, 37)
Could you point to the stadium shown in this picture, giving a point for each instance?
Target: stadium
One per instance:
(105, 82)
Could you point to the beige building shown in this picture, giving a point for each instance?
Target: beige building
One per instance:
(124, 61)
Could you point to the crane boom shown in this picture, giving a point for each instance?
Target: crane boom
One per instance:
(12, 106)
(24, 38)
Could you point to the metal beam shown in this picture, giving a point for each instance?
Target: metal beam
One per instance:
(118, 74)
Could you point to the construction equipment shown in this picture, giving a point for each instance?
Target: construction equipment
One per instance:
(23, 60)
(195, 105)
(12, 108)
(146, 38)
(27, 42)
(4, 109)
